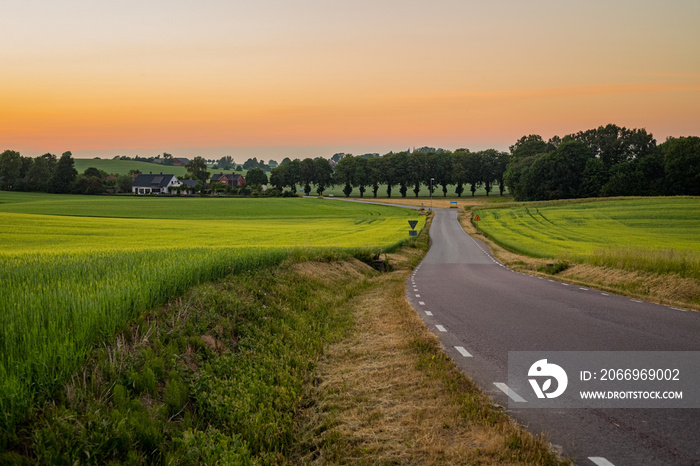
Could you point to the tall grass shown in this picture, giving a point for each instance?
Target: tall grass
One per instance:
(662, 261)
(69, 282)
(54, 308)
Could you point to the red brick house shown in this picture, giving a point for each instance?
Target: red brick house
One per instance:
(233, 180)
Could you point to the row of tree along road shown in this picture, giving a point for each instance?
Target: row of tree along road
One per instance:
(605, 161)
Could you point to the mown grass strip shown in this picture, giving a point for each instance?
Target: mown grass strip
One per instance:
(388, 394)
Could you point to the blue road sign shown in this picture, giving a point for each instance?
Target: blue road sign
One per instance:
(413, 224)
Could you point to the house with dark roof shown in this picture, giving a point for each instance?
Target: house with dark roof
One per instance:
(234, 180)
(188, 186)
(153, 184)
(180, 161)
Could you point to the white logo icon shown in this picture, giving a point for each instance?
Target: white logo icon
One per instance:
(542, 369)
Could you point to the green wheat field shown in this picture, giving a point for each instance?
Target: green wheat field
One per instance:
(658, 235)
(74, 270)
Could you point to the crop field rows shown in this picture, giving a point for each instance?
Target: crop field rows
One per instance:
(658, 235)
(75, 270)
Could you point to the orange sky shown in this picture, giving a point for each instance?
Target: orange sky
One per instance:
(311, 77)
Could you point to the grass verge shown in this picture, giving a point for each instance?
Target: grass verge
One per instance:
(215, 376)
(388, 394)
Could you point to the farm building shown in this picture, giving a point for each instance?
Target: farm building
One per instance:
(153, 184)
(233, 180)
(180, 162)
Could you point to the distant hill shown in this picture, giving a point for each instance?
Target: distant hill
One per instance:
(122, 167)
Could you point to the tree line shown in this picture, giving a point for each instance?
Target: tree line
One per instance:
(603, 162)
(403, 171)
(51, 174)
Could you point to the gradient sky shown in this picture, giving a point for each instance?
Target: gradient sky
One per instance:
(306, 78)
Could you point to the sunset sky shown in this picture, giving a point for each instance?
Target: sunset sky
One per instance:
(307, 78)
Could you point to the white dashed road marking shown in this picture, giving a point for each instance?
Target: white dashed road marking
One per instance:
(428, 313)
(511, 394)
(600, 461)
(463, 352)
(421, 303)
(441, 328)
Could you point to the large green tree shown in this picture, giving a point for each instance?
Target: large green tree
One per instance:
(124, 183)
(277, 177)
(682, 163)
(344, 173)
(361, 178)
(324, 175)
(442, 166)
(459, 170)
(389, 173)
(226, 163)
(40, 173)
(10, 169)
(417, 166)
(307, 174)
(522, 155)
(399, 162)
(292, 174)
(527, 146)
(197, 167)
(65, 174)
(558, 174)
(255, 176)
(375, 166)
(500, 166)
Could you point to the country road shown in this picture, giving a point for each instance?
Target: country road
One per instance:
(480, 310)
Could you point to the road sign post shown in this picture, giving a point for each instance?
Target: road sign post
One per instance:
(412, 231)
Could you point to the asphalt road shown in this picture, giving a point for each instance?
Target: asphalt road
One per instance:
(486, 310)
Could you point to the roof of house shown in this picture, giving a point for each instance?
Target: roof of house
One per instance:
(182, 160)
(152, 181)
(189, 183)
(231, 177)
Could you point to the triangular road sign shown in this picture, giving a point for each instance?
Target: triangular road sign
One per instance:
(477, 219)
(413, 224)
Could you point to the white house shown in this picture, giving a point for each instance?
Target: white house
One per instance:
(154, 184)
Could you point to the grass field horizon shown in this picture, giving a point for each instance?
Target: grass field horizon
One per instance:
(75, 269)
(656, 235)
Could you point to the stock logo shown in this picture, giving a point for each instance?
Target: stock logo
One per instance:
(545, 371)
